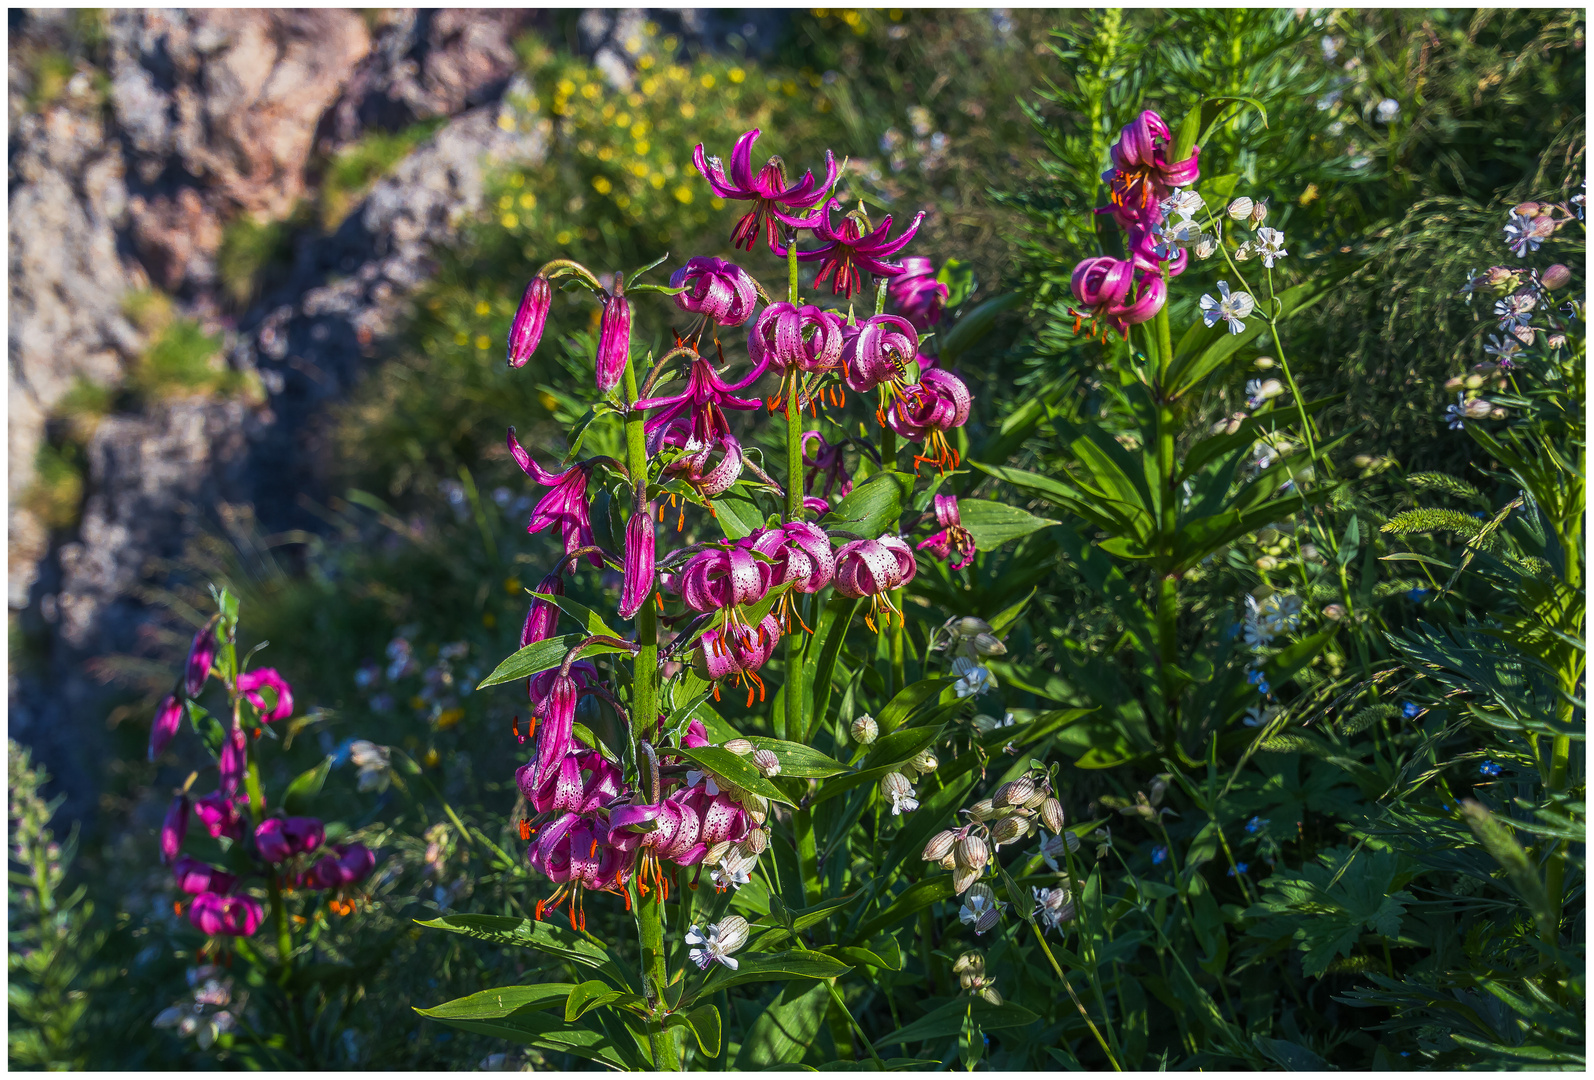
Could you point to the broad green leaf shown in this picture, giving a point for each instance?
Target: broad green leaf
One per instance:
(874, 506)
(704, 1023)
(774, 967)
(534, 934)
(589, 995)
(912, 900)
(1202, 350)
(491, 1004)
(301, 794)
(799, 760)
(902, 704)
(948, 1019)
(821, 653)
(737, 515)
(541, 656)
(993, 524)
(537, 1028)
(899, 746)
(785, 1029)
(737, 769)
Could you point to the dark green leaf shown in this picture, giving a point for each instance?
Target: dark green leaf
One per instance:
(993, 524)
(541, 656)
(301, 794)
(874, 506)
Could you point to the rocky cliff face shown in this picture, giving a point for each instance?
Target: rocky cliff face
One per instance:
(201, 116)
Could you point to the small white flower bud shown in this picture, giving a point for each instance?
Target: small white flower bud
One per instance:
(733, 933)
(1267, 562)
(971, 963)
(717, 853)
(1008, 829)
(1206, 246)
(1240, 208)
(972, 852)
(983, 810)
(1243, 252)
(1263, 363)
(948, 861)
(988, 645)
(988, 919)
(1259, 213)
(1052, 815)
(939, 845)
(756, 842)
(1478, 409)
(1036, 801)
(767, 762)
(1015, 793)
(963, 877)
(924, 763)
(756, 816)
(865, 730)
(740, 747)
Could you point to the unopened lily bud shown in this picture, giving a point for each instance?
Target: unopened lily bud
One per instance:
(1259, 213)
(1013, 793)
(526, 329)
(733, 933)
(767, 762)
(1240, 208)
(865, 730)
(983, 810)
(924, 763)
(1052, 815)
(972, 852)
(970, 963)
(965, 876)
(740, 747)
(717, 853)
(1556, 276)
(1478, 409)
(940, 844)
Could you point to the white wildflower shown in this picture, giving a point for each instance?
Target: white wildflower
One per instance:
(1183, 203)
(1232, 308)
(1270, 246)
(715, 944)
(1387, 110)
(973, 679)
(1515, 311)
(1457, 414)
(1521, 236)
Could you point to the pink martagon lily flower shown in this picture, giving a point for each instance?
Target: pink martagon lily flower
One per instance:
(853, 249)
(774, 201)
(721, 577)
(718, 289)
(232, 916)
(1142, 175)
(928, 410)
(872, 568)
(280, 839)
(525, 332)
(219, 814)
(195, 877)
(879, 352)
(348, 864)
(785, 336)
(953, 537)
(249, 684)
(565, 505)
(917, 294)
(1116, 296)
(703, 402)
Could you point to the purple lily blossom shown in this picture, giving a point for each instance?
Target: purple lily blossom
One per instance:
(195, 877)
(696, 463)
(928, 410)
(774, 201)
(853, 248)
(249, 684)
(739, 650)
(785, 336)
(348, 864)
(280, 839)
(1142, 175)
(953, 537)
(565, 505)
(721, 577)
(167, 717)
(879, 352)
(614, 342)
(703, 403)
(718, 289)
(566, 791)
(232, 916)
(233, 762)
(219, 814)
(917, 294)
(872, 568)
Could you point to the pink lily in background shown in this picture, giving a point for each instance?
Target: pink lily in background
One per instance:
(201, 655)
(230, 916)
(565, 505)
(280, 839)
(953, 537)
(249, 684)
(174, 829)
(716, 289)
(195, 877)
(846, 253)
(775, 202)
(917, 294)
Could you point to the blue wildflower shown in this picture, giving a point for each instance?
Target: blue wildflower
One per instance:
(1257, 824)
(1410, 710)
(1241, 867)
(1159, 855)
(1416, 595)
(1258, 680)
(1489, 768)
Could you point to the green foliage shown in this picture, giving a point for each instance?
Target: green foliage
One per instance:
(345, 180)
(56, 494)
(252, 252)
(53, 961)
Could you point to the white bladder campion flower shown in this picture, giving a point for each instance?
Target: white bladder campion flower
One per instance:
(1457, 414)
(1183, 203)
(1387, 110)
(1521, 234)
(733, 871)
(1232, 308)
(1515, 311)
(1269, 246)
(715, 944)
(973, 679)
(980, 908)
(899, 790)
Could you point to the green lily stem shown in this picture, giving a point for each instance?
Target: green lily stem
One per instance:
(644, 708)
(867, 1045)
(1040, 936)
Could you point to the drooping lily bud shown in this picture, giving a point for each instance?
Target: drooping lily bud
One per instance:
(168, 715)
(542, 620)
(526, 330)
(174, 829)
(637, 584)
(614, 343)
(201, 655)
(233, 761)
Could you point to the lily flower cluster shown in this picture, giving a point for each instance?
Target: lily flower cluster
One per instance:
(1117, 293)
(289, 851)
(594, 826)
